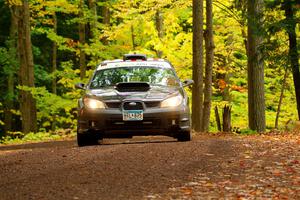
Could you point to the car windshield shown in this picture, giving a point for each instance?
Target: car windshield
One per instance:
(151, 75)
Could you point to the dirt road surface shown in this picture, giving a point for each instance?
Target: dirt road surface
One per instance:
(209, 167)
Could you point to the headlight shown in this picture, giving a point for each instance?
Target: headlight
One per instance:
(93, 103)
(172, 101)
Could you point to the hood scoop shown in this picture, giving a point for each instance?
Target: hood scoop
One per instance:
(132, 87)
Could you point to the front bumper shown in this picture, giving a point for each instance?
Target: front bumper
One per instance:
(158, 121)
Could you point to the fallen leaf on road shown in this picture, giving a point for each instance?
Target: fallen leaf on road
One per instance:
(187, 191)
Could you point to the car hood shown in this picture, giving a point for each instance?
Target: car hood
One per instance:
(155, 93)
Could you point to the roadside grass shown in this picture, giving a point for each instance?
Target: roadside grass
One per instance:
(20, 138)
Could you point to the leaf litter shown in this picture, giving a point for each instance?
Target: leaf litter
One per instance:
(267, 167)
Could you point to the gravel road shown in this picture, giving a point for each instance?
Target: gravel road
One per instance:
(143, 168)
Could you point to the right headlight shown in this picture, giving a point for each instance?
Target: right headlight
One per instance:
(172, 101)
(93, 103)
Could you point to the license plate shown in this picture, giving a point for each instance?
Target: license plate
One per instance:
(132, 115)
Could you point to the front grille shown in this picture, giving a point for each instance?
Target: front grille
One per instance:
(113, 104)
(117, 124)
(133, 105)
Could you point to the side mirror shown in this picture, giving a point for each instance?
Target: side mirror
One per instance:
(188, 83)
(79, 86)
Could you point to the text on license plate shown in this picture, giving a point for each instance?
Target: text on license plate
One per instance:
(132, 115)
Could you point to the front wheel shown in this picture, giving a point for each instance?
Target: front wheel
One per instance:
(184, 136)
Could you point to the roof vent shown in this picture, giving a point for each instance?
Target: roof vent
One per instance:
(134, 57)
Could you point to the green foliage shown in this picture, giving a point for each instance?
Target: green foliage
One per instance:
(248, 132)
(239, 109)
(19, 137)
(57, 111)
(52, 108)
(8, 58)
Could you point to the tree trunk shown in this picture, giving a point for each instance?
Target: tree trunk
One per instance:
(93, 23)
(227, 75)
(159, 23)
(26, 72)
(106, 14)
(82, 56)
(133, 37)
(218, 119)
(244, 35)
(105, 19)
(281, 97)
(197, 96)
(227, 118)
(256, 96)
(54, 55)
(293, 51)
(54, 66)
(8, 117)
(9, 101)
(209, 46)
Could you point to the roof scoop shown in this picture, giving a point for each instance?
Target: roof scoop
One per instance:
(132, 87)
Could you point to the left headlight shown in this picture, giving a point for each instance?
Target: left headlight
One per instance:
(93, 103)
(172, 101)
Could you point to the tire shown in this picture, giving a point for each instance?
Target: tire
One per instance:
(86, 139)
(184, 136)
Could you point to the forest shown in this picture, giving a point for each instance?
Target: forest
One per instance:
(47, 46)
